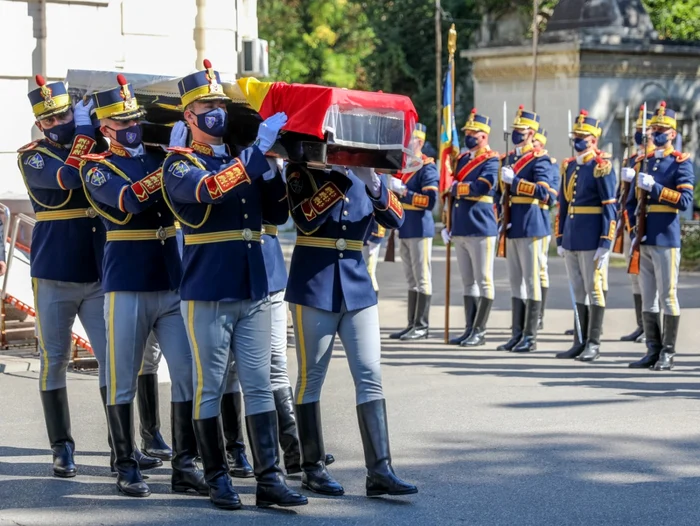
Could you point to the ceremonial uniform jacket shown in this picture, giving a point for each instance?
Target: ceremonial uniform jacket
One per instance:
(141, 252)
(473, 194)
(68, 239)
(419, 201)
(332, 212)
(553, 195)
(587, 204)
(671, 193)
(530, 189)
(375, 232)
(221, 203)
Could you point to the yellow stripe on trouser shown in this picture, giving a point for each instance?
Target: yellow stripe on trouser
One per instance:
(672, 296)
(426, 264)
(112, 353)
(536, 271)
(197, 360)
(598, 278)
(299, 324)
(42, 348)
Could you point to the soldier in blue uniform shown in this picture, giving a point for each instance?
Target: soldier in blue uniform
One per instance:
(474, 227)
(331, 293)
(221, 202)
(586, 226)
(634, 163)
(669, 180)
(67, 244)
(418, 193)
(527, 171)
(540, 142)
(141, 275)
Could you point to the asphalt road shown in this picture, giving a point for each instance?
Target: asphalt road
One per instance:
(490, 438)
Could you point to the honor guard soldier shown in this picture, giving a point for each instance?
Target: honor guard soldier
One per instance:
(141, 278)
(525, 175)
(669, 182)
(539, 142)
(67, 244)
(371, 248)
(221, 201)
(474, 227)
(634, 163)
(418, 191)
(330, 292)
(586, 228)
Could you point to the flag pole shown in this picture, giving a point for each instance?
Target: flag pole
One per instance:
(451, 49)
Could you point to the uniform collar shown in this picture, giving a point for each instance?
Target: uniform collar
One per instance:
(523, 150)
(212, 150)
(585, 157)
(480, 151)
(665, 153)
(55, 144)
(118, 150)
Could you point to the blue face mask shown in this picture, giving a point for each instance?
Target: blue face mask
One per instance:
(638, 138)
(62, 133)
(518, 137)
(660, 139)
(130, 137)
(213, 122)
(580, 145)
(470, 142)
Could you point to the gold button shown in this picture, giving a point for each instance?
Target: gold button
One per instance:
(245, 216)
(158, 214)
(571, 216)
(249, 245)
(344, 227)
(262, 241)
(94, 229)
(345, 212)
(243, 200)
(347, 199)
(457, 205)
(340, 255)
(91, 213)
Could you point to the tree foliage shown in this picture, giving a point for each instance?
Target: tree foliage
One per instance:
(675, 19)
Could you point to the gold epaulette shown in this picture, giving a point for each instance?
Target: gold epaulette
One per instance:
(681, 157)
(540, 153)
(491, 154)
(28, 147)
(554, 161)
(603, 167)
(564, 166)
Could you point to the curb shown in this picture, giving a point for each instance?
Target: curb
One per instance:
(10, 364)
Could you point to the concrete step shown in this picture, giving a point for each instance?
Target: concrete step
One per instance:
(22, 333)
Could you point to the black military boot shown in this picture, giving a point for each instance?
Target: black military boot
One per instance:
(186, 476)
(152, 442)
(579, 343)
(470, 308)
(272, 489)
(374, 430)
(595, 329)
(518, 320)
(57, 417)
(412, 302)
(540, 323)
(668, 351)
(420, 328)
(652, 331)
(284, 403)
(121, 427)
(637, 334)
(211, 448)
(478, 335)
(528, 342)
(315, 476)
(231, 406)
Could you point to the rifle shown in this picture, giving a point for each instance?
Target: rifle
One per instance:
(618, 245)
(505, 198)
(390, 255)
(641, 212)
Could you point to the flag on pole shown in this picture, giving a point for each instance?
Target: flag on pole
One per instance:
(449, 138)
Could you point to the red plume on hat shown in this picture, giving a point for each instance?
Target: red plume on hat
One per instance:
(45, 90)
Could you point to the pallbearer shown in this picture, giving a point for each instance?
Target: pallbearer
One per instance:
(526, 171)
(586, 225)
(474, 226)
(418, 192)
(669, 179)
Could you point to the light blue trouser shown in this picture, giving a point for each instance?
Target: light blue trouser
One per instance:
(279, 378)
(217, 329)
(658, 279)
(57, 303)
(130, 318)
(315, 331)
(151, 356)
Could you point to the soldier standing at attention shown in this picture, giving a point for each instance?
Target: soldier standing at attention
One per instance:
(418, 192)
(221, 202)
(141, 278)
(474, 228)
(331, 294)
(67, 244)
(527, 172)
(586, 227)
(669, 182)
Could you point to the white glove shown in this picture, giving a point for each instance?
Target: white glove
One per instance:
(397, 186)
(373, 246)
(507, 174)
(81, 113)
(446, 237)
(645, 181)
(627, 174)
(561, 252)
(601, 256)
(178, 135)
(370, 178)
